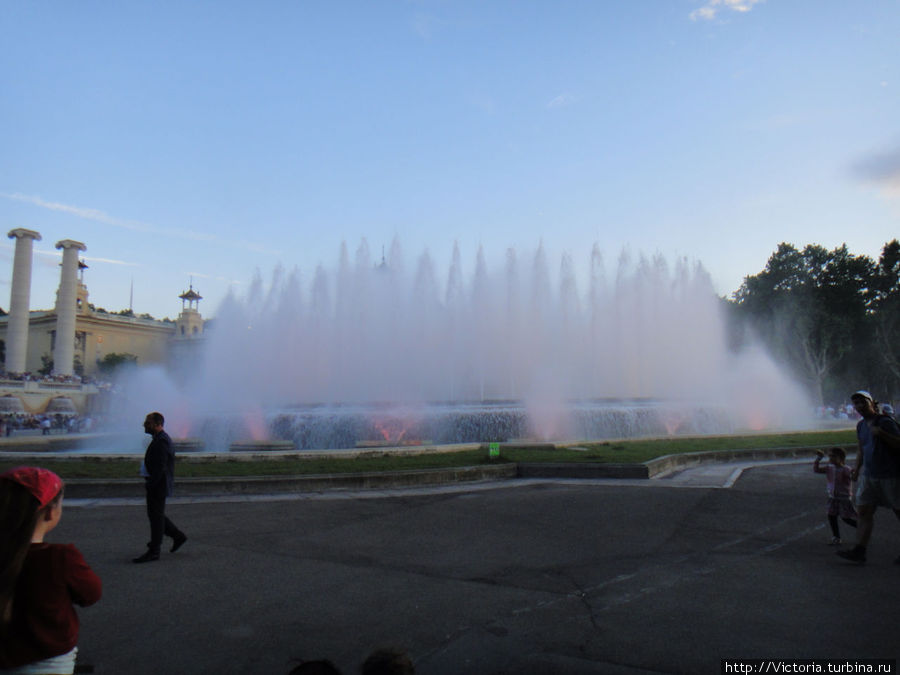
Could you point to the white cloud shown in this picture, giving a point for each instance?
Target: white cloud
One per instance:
(562, 101)
(99, 216)
(110, 261)
(712, 8)
(424, 25)
(882, 170)
(56, 254)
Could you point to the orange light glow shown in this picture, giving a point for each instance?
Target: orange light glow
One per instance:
(255, 422)
(392, 429)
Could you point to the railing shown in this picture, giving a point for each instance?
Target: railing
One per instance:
(44, 385)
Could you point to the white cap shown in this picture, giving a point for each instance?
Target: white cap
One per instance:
(864, 394)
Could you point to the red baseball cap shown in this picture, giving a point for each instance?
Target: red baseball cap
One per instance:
(43, 484)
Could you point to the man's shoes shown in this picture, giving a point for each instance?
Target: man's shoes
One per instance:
(149, 556)
(178, 542)
(856, 554)
(836, 541)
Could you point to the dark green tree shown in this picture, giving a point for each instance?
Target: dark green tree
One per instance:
(115, 360)
(811, 309)
(886, 318)
(46, 365)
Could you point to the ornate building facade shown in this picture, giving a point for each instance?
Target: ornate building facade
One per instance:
(76, 338)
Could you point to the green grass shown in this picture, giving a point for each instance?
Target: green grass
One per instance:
(639, 450)
(642, 450)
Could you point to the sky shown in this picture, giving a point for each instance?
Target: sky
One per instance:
(204, 142)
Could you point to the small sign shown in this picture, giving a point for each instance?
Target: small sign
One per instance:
(494, 450)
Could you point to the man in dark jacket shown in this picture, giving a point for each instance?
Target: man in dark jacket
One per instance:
(877, 470)
(158, 470)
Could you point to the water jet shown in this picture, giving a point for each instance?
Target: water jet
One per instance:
(391, 353)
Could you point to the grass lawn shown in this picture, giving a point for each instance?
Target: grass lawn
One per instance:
(630, 451)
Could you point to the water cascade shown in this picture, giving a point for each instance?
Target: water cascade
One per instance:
(387, 348)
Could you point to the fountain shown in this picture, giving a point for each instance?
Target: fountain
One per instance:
(380, 352)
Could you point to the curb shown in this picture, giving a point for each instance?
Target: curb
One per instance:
(670, 463)
(98, 488)
(93, 488)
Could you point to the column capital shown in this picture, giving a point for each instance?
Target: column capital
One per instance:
(22, 233)
(69, 243)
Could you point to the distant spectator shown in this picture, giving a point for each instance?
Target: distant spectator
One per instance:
(388, 661)
(317, 667)
(839, 504)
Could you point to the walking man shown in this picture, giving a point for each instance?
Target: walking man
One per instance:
(158, 470)
(877, 470)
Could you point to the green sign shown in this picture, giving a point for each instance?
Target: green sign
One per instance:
(494, 450)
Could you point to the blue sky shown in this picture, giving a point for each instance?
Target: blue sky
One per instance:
(213, 139)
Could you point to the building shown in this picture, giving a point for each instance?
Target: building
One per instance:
(73, 339)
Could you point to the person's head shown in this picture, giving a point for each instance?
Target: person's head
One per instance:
(30, 506)
(887, 409)
(837, 456)
(317, 667)
(388, 661)
(863, 402)
(153, 423)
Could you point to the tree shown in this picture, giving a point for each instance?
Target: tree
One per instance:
(811, 307)
(886, 315)
(115, 360)
(46, 365)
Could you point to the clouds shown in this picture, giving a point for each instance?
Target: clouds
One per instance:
(98, 216)
(425, 25)
(881, 170)
(48, 257)
(562, 101)
(712, 8)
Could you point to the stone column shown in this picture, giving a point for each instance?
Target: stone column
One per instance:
(19, 299)
(66, 304)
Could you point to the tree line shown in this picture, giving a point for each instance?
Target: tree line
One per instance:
(831, 317)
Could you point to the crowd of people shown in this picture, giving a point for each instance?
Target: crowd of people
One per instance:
(46, 423)
(52, 379)
(846, 411)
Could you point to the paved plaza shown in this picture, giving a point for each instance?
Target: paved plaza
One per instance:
(624, 577)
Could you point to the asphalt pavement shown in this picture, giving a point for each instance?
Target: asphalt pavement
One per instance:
(668, 575)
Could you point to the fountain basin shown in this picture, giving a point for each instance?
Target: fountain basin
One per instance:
(188, 445)
(262, 446)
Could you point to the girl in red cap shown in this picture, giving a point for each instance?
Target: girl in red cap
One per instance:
(39, 582)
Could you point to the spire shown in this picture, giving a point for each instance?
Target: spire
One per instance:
(190, 296)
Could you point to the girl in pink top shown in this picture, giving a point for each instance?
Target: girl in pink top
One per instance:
(839, 504)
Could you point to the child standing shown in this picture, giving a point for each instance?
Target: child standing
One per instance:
(839, 504)
(39, 582)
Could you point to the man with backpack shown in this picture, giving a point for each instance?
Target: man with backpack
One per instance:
(877, 470)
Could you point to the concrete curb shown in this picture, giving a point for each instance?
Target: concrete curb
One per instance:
(92, 488)
(667, 464)
(86, 488)
(581, 470)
